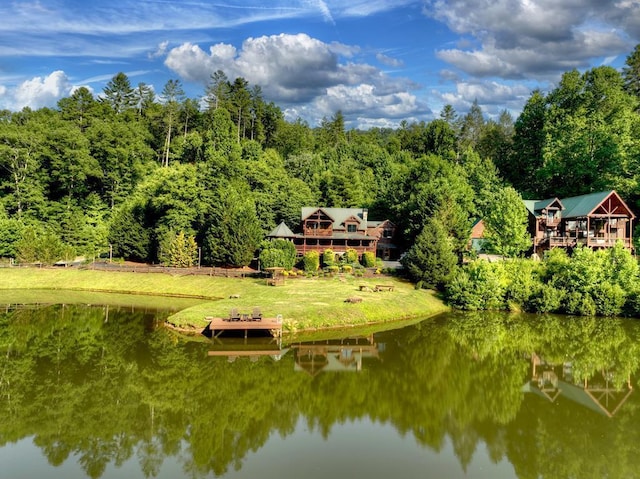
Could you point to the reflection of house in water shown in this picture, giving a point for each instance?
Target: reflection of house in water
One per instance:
(335, 355)
(345, 354)
(252, 348)
(597, 393)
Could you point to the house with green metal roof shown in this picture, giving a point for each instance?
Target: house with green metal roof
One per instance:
(340, 229)
(596, 220)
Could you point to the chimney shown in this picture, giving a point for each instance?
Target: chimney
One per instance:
(365, 213)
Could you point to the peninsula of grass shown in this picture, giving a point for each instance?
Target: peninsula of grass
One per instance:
(304, 303)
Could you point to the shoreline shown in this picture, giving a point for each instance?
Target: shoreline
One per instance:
(306, 304)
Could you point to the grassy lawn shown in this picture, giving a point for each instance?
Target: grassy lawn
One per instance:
(304, 303)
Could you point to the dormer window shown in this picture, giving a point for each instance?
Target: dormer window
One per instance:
(351, 228)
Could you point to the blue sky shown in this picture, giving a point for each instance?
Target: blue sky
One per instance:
(378, 61)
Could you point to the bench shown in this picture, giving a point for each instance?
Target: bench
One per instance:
(383, 287)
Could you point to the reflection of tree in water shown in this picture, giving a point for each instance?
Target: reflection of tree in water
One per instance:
(104, 393)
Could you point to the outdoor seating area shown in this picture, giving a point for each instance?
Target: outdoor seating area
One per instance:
(235, 315)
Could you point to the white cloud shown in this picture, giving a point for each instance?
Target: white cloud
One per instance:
(492, 96)
(37, 92)
(297, 69)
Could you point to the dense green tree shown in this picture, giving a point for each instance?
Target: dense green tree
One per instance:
(40, 245)
(129, 234)
(431, 260)
(178, 250)
(22, 176)
(65, 154)
(433, 187)
(521, 169)
(496, 140)
(332, 131)
(590, 145)
(80, 107)
(232, 234)
(11, 231)
(124, 155)
(506, 227)
(631, 74)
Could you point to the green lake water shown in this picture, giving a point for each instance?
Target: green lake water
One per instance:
(107, 391)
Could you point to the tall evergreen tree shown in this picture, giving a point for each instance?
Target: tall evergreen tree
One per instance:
(119, 94)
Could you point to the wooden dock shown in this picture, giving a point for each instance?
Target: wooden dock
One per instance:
(219, 325)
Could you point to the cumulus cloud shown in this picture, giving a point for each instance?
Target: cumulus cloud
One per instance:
(297, 69)
(492, 96)
(37, 92)
(535, 38)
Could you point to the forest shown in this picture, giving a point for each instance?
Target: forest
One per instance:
(155, 177)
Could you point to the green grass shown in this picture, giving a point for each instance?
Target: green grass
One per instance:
(304, 303)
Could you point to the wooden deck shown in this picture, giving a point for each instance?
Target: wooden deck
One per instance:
(218, 325)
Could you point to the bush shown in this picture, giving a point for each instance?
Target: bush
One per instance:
(545, 299)
(278, 253)
(478, 286)
(351, 256)
(347, 268)
(609, 299)
(311, 261)
(328, 257)
(368, 259)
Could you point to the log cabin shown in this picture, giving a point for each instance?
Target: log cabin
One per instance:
(597, 220)
(340, 229)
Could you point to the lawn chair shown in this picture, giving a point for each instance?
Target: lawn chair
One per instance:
(234, 315)
(256, 315)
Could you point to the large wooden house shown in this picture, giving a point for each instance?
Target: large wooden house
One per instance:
(596, 220)
(340, 229)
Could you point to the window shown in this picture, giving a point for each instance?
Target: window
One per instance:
(352, 228)
(387, 233)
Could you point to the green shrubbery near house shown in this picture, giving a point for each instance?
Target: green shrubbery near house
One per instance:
(587, 283)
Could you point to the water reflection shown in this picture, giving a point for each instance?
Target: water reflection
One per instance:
(97, 392)
(598, 392)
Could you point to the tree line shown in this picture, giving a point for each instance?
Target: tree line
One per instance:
(161, 176)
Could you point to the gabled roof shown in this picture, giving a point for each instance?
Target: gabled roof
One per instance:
(536, 206)
(338, 215)
(281, 231)
(584, 205)
(577, 206)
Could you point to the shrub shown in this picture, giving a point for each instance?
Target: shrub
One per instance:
(368, 259)
(278, 253)
(608, 299)
(311, 261)
(347, 268)
(351, 256)
(328, 257)
(545, 299)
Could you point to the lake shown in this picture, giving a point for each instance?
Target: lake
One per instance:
(107, 391)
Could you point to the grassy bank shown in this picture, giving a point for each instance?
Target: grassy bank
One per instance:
(304, 303)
